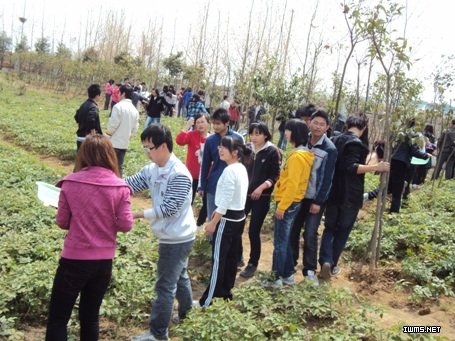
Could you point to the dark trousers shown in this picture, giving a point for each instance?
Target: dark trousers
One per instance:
(90, 279)
(259, 209)
(339, 221)
(120, 158)
(398, 175)
(448, 158)
(202, 217)
(225, 250)
(310, 223)
(107, 101)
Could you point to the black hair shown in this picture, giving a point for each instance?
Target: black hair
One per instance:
(233, 144)
(262, 128)
(93, 91)
(359, 121)
(378, 147)
(429, 129)
(201, 114)
(305, 111)
(196, 98)
(453, 122)
(299, 131)
(158, 134)
(221, 114)
(111, 81)
(225, 97)
(127, 90)
(321, 114)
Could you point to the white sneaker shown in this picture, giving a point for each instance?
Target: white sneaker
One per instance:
(196, 304)
(273, 284)
(147, 336)
(311, 276)
(288, 280)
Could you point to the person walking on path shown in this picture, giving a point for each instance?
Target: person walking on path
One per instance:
(94, 205)
(87, 116)
(172, 221)
(123, 124)
(346, 196)
(446, 153)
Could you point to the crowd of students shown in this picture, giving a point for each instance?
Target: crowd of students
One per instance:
(319, 176)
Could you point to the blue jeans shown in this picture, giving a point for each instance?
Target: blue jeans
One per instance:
(172, 281)
(282, 142)
(339, 221)
(310, 222)
(283, 261)
(211, 207)
(150, 120)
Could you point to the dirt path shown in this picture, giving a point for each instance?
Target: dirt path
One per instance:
(393, 302)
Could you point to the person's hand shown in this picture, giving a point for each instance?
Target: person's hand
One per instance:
(279, 215)
(383, 167)
(314, 209)
(210, 228)
(200, 193)
(189, 123)
(138, 215)
(257, 193)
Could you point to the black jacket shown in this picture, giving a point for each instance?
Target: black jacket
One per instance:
(262, 166)
(88, 118)
(347, 185)
(405, 151)
(155, 106)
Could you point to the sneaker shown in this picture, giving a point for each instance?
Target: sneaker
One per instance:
(273, 284)
(196, 304)
(335, 271)
(326, 272)
(365, 197)
(311, 276)
(249, 271)
(288, 280)
(147, 336)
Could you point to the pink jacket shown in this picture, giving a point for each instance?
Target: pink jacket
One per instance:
(108, 89)
(94, 205)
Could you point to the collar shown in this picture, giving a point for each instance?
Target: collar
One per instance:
(318, 142)
(169, 164)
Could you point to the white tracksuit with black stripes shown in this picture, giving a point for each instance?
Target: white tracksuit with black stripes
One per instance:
(230, 198)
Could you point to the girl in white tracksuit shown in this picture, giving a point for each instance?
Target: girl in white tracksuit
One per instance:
(227, 221)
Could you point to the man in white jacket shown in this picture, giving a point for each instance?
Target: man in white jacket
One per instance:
(123, 123)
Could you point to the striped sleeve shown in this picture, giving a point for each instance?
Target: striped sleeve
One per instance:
(177, 192)
(137, 182)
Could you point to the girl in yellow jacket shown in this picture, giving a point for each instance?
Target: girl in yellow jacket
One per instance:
(289, 191)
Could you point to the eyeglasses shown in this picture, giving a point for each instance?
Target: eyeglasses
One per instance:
(148, 149)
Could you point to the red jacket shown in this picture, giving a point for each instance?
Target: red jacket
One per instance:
(195, 143)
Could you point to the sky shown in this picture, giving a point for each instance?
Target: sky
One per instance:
(429, 25)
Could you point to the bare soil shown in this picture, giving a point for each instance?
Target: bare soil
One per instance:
(378, 288)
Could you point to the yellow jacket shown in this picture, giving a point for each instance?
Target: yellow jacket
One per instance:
(293, 181)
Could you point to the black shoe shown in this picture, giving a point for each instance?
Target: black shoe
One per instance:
(249, 271)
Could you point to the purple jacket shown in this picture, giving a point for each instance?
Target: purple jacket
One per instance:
(94, 205)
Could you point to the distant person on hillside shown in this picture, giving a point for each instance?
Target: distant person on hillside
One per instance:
(255, 112)
(170, 102)
(94, 205)
(115, 96)
(234, 115)
(196, 106)
(108, 93)
(446, 152)
(154, 108)
(304, 113)
(172, 221)
(87, 116)
(225, 103)
(123, 124)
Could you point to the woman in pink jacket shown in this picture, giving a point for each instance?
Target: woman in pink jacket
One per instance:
(94, 205)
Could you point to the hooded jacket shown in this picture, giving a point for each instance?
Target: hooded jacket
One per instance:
(88, 118)
(347, 185)
(263, 165)
(94, 205)
(293, 181)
